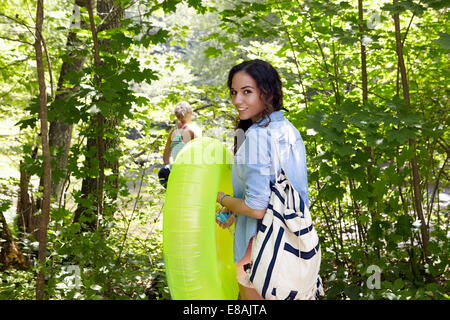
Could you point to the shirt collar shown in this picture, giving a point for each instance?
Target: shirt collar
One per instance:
(274, 116)
(277, 115)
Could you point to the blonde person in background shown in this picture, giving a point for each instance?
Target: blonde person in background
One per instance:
(184, 132)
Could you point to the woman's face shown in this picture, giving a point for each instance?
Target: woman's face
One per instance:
(246, 96)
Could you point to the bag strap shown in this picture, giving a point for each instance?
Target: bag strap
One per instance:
(277, 156)
(274, 145)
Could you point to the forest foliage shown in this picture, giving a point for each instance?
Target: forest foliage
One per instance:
(365, 82)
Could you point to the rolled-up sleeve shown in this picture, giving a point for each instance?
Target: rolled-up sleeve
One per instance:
(256, 170)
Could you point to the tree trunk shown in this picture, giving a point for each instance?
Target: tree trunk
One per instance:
(363, 54)
(412, 142)
(60, 134)
(365, 99)
(10, 255)
(100, 142)
(45, 211)
(111, 15)
(26, 207)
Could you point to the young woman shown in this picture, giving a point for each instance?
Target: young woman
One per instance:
(255, 90)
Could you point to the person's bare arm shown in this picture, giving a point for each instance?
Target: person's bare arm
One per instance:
(238, 205)
(166, 155)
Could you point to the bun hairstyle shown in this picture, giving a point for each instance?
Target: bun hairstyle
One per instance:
(269, 83)
(182, 109)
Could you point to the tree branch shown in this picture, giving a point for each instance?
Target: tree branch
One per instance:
(19, 22)
(40, 284)
(412, 142)
(16, 40)
(35, 37)
(100, 118)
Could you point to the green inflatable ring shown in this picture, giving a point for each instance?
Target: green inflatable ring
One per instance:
(198, 254)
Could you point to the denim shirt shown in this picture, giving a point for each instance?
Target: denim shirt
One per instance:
(255, 163)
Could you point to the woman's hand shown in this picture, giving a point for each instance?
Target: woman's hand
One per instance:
(227, 223)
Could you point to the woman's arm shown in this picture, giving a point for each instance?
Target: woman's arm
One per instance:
(256, 174)
(166, 155)
(238, 205)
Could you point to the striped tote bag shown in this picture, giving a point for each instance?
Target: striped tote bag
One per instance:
(285, 257)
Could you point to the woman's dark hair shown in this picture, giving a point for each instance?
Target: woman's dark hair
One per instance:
(269, 83)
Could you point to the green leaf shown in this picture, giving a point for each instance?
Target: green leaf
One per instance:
(337, 122)
(406, 155)
(4, 205)
(379, 188)
(364, 218)
(392, 241)
(437, 4)
(443, 41)
(352, 292)
(148, 75)
(157, 37)
(433, 247)
(332, 193)
(335, 290)
(400, 135)
(398, 284)
(375, 232)
(230, 45)
(403, 226)
(212, 52)
(30, 122)
(213, 35)
(349, 107)
(403, 5)
(197, 5)
(344, 149)
(314, 120)
(361, 193)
